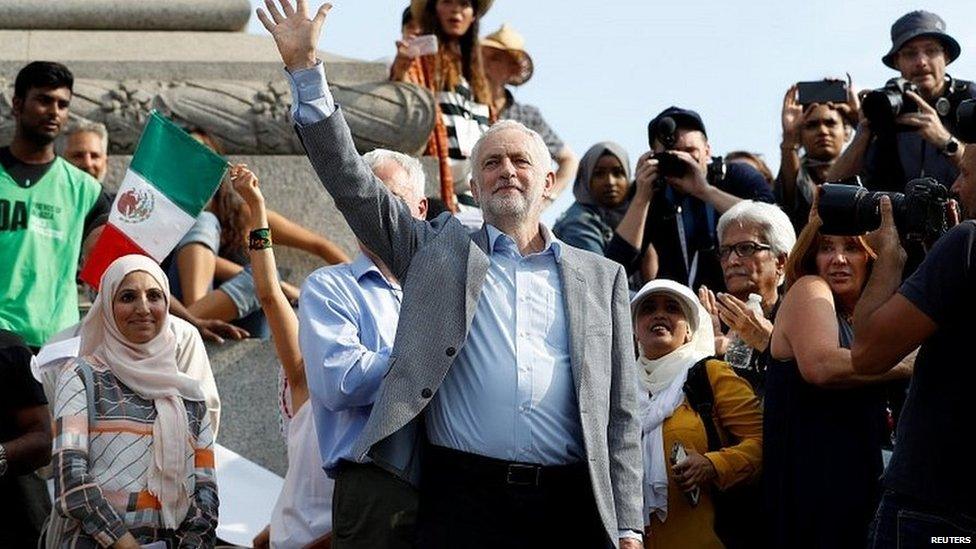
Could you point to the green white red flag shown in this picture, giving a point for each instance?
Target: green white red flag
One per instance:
(171, 178)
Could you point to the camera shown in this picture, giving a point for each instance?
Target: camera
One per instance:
(669, 165)
(966, 121)
(882, 106)
(920, 213)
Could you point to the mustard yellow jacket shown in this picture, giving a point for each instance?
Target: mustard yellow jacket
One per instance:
(738, 417)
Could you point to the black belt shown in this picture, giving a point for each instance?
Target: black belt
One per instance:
(500, 472)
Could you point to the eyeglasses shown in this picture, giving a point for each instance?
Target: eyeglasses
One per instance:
(741, 249)
(929, 52)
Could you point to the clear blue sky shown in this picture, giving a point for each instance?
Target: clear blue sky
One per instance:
(603, 69)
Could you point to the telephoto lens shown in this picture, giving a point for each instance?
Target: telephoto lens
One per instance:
(921, 214)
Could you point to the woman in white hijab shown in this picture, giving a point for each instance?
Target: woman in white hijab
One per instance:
(133, 447)
(675, 340)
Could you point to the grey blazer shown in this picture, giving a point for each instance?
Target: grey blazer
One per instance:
(442, 266)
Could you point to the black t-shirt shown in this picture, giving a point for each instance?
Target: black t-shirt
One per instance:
(935, 444)
(18, 390)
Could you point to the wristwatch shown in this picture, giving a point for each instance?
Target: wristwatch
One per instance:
(951, 147)
(3, 460)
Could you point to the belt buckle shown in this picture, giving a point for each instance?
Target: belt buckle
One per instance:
(519, 474)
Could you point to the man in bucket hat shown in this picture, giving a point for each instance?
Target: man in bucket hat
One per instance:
(920, 51)
(508, 64)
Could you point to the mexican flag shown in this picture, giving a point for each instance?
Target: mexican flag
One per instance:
(170, 179)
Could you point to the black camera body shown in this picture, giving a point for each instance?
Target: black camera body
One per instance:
(883, 105)
(920, 213)
(669, 165)
(966, 121)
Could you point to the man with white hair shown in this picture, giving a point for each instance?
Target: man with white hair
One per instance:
(347, 319)
(510, 396)
(755, 240)
(85, 144)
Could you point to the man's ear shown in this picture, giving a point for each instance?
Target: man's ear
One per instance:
(473, 185)
(422, 207)
(17, 103)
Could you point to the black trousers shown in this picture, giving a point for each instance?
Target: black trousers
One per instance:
(471, 501)
(372, 509)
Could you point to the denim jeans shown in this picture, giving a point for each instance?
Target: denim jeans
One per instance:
(904, 523)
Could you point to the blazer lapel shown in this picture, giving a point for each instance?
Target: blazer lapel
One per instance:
(478, 262)
(574, 296)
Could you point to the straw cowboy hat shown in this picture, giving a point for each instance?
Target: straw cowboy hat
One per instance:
(417, 8)
(507, 39)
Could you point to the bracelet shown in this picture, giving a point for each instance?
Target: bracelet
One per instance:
(259, 239)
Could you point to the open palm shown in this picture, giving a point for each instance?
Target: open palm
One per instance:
(294, 33)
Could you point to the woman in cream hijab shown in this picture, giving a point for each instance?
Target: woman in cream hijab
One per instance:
(674, 333)
(133, 448)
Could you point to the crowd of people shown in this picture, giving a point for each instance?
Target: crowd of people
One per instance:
(689, 357)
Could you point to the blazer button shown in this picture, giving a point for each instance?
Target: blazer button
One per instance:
(426, 392)
(451, 351)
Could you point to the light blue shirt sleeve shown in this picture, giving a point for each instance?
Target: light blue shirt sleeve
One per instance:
(342, 372)
(311, 99)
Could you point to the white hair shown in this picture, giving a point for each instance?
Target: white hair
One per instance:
(537, 146)
(81, 126)
(774, 225)
(415, 171)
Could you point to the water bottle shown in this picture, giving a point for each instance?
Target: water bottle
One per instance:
(739, 353)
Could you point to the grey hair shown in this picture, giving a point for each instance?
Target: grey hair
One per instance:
(774, 225)
(81, 126)
(537, 146)
(415, 171)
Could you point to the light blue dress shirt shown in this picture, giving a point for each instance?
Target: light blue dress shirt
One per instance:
(347, 320)
(510, 393)
(507, 395)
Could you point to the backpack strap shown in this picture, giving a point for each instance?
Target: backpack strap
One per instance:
(88, 378)
(698, 390)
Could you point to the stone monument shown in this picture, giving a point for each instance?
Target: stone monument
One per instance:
(191, 60)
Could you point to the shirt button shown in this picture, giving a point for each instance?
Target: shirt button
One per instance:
(451, 351)
(426, 392)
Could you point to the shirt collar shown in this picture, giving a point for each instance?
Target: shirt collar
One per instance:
(363, 265)
(498, 240)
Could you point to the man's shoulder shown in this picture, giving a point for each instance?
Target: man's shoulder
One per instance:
(77, 177)
(331, 276)
(589, 261)
(746, 182)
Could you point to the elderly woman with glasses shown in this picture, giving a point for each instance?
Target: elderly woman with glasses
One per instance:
(755, 241)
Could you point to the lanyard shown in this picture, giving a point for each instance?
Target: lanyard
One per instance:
(691, 264)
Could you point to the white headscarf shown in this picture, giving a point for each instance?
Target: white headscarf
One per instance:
(664, 379)
(149, 369)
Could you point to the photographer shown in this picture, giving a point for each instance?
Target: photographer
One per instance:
(669, 230)
(820, 130)
(889, 155)
(928, 492)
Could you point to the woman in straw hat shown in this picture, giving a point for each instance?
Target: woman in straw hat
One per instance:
(457, 79)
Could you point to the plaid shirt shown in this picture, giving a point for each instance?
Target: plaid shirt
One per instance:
(101, 458)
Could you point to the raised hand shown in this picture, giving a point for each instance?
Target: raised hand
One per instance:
(885, 240)
(294, 33)
(791, 117)
(926, 122)
(752, 327)
(646, 175)
(246, 185)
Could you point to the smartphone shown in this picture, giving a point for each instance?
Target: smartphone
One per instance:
(425, 44)
(822, 91)
(679, 454)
